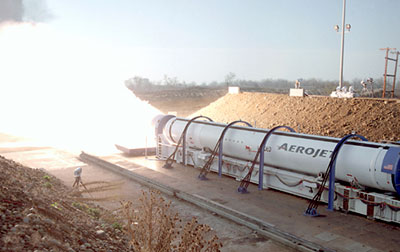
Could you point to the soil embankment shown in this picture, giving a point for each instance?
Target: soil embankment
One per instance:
(39, 213)
(376, 119)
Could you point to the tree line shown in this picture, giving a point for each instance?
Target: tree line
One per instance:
(312, 86)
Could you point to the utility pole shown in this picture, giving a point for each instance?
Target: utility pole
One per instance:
(342, 46)
(344, 28)
(387, 49)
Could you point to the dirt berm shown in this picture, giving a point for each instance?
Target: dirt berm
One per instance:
(375, 119)
(38, 213)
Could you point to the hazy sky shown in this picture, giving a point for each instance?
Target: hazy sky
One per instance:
(63, 60)
(203, 40)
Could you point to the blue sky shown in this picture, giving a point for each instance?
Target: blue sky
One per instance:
(256, 39)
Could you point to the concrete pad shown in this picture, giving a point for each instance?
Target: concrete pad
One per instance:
(327, 236)
(338, 231)
(356, 246)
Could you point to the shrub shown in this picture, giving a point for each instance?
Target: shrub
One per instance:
(154, 227)
(94, 212)
(47, 185)
(117, 225)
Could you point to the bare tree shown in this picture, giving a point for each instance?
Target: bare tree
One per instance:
(229, 79)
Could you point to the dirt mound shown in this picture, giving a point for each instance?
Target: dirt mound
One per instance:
(377, 120)
(37, 212)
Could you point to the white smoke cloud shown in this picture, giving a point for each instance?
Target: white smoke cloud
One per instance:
(66, 92)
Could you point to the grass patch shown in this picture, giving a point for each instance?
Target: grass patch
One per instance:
(117, 225)
(47, 185)
(94, 212)
(56, 206)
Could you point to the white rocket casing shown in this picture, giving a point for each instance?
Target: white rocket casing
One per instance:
(371, 164)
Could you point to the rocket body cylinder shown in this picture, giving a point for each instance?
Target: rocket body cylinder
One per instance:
(362, 162)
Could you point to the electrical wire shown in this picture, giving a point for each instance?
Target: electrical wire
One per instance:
(313, 205)
(246, 180)
(207, 166)
(288, 184)
(382, 205)
(370, 203)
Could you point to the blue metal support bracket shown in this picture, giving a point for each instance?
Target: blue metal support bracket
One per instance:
(220, 149)
(335, 153)
(260, 153)
(184, 135)
(262, 147)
